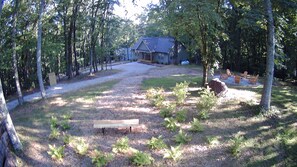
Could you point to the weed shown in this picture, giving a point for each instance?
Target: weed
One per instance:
(180, 91)
(121, 145)
(206, 102)
(56, 153)
(181, 115)
(212, 140)
(54, 122)
(167, 110)
(174, 153)
(67, 139)
(65, 125)
(171, 124)
(80, 147)
(55, 133)
(100, 159)
(182, 138)
(196, 126)
(236, 145)
(156, 143)
(156, 96)
(141, 159)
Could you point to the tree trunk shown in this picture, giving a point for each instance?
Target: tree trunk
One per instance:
(14, 56)
(38, 55)
(175, 52)
(266, 94)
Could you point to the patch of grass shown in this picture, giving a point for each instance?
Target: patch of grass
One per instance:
(169, 82)
(236, 144)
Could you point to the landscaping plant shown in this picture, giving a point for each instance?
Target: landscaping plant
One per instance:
(171, 124)
(174, 153)
(100, 159)
(196, 126)
(206, 102)
(236, 144)
(212, 140)
(56, 153)
(156, 96)
(182, 138)
(121, 145)
(67, 116)
(167, 110)
(67, 139)
(65, 125)
(180, 91)
(181, 115)
(54, 122)
(55, 133)
(156, 143)
(141, 159)
(80, 147)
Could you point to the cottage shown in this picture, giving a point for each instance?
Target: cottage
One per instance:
(158, 50)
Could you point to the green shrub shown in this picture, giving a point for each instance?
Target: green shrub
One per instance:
(196, 126)
(65, 125)
(121, 145)
(182, 138)
(171, 124)
(80, 147)
(236, 144)
(167, 110)
(174, 153)
(156, 96)
(181, 115)
(56, 153)
(206, 102)
(212, 140)
(141, 159)
(100, 159)
(156, 143)
(180, 91)
(55, 133)
(54, 122)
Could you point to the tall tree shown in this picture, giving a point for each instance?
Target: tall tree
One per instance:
(38, 52)
(5, 116)
(14, 54)
(266, 94)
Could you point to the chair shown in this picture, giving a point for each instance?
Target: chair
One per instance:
(244, 74)
(254, 80)
(228, 72)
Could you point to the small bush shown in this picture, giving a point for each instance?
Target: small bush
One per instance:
(100, 159)
(56, 153)
(121, 146)
(156, 96)
(174, 153)
(196, 126)
(156, 143)
(182, 138)
(236, 145)
(55, 133)
(206, 102)
(81, 147)
(54, 122)
(65, 125)
(212, 140)
(141, 159)
(171, 124)
(167, 110)
(181, 115)
(180, 91)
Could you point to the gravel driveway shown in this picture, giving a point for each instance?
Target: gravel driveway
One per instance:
(127, 70)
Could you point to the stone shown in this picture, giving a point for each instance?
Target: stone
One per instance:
(219, 87)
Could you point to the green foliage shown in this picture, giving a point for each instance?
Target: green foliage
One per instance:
(174, 153)
(55, 133)
(57, 153)
(180, 91)
(181, 115)
(121, 145)
(196, 126)
(182, 138)
(80, 147)
(212, 140)
(67, 116)
(65, 125)
(156, 143)
(141, 159)
(206, 102)
(156, 96)
(100, 159)
(167, 110)
(67, 139)
(171, 124)
(54, 122)
(288, 136)
(236, 144)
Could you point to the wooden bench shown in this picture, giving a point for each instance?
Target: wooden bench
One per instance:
(116, 124)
